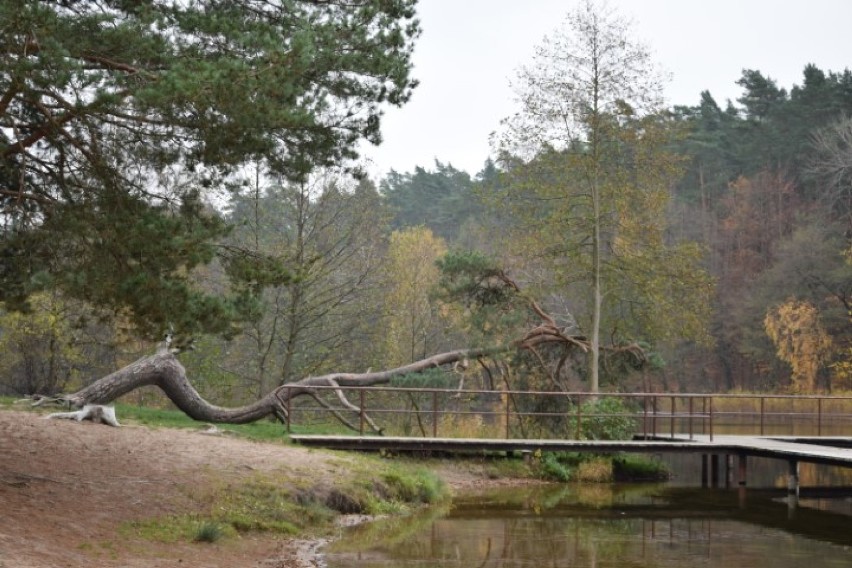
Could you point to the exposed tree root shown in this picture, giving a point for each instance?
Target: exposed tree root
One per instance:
(95, 412)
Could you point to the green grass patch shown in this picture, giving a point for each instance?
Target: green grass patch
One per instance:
(631, 467)
(266, 430)
(592, 468)
(551, 468)
(276, 504)
(262, 430)
(265, 505)
(381, 487)
(209, 532)
(174, 528)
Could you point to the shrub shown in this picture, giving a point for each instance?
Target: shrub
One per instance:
(606, 418)
(209, 532)
(553, 469)
(596, 470)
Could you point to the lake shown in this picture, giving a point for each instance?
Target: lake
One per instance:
(674, 524)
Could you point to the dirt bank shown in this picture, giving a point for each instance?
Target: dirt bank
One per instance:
(65, 487)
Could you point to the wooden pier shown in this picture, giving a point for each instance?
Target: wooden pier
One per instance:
(795, 429)
(832, 451)
(836, 451)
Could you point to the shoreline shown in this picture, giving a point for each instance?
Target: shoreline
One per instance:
(69, 491)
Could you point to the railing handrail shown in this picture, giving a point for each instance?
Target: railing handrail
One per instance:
(585, 394)
(655, 407)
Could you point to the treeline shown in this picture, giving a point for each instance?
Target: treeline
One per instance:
(768, 194)
(188, 170)
(764, 187)
(352, 268)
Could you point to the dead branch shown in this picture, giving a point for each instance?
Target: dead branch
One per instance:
(345, 402)
(343, 420)
(97, 413)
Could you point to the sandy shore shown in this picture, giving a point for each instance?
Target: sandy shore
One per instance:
(65, 487)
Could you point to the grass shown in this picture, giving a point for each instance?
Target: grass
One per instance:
(209, 532)
(274, 503)
(262, 430)
(589, 468)
(630, 467)
(155, 417)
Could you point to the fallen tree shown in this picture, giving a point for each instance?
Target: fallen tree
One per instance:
(164, 371)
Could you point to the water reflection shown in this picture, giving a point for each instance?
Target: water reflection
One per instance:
(603, 525)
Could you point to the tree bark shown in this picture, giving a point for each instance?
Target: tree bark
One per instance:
(164, 371)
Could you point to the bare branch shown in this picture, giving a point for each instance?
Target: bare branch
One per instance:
(345, 402)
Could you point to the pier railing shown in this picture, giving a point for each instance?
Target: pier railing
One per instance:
(435, 412)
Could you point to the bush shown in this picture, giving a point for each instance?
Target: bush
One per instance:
(606, 418)
(553, 469)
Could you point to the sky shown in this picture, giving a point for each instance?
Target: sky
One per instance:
(470, 50)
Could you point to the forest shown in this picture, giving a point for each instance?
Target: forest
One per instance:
(191, 170)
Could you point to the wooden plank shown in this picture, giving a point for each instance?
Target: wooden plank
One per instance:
(740, 445)
(487, 444)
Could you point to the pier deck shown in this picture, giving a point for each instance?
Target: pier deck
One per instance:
(836, 451)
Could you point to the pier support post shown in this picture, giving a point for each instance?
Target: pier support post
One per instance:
(729, 470)
(792, 486)
(714, 470)
(742, 469)
(793, 478)
(705, 458)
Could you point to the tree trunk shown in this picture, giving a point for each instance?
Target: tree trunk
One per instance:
(164, 371)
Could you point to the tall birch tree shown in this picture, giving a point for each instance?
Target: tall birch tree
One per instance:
(588, 174)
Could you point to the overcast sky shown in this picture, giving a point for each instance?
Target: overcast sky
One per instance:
(470, 49)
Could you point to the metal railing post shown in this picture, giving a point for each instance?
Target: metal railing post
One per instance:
(507, 414)
(579, 417)
(711, 418)
(289, 410)
(361, 412)
(819, 416)
(672, 419)
(434, 414)
(762, 413)
(645, 417)
(691, 408)
(654, 417)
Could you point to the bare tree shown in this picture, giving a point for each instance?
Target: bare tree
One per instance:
(588, 83)
(833, 162)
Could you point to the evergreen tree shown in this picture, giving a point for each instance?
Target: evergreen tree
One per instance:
(117, 116)
(441, 199)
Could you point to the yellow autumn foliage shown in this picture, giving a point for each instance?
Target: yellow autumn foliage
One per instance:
(41, 354)
(411, 314)
(800, 340)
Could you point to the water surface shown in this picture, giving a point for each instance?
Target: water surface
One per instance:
(607, 525)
